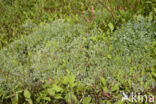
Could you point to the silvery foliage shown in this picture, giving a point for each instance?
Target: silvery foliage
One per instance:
(54, 48)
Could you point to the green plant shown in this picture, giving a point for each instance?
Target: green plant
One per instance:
(18, 17)
(16, 13)
(61, 59)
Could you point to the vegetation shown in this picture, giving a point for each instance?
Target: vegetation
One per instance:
(76, 52)
(19, 17)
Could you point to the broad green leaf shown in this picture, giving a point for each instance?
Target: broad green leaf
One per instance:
(27, 94)
(58, 96)
(51, 91)
(86, 100)
(30, 101)
(46, 98)
(14, 100)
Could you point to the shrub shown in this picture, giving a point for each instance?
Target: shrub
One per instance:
(16, 13)
(123, 60)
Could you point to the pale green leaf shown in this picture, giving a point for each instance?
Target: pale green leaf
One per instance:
(27, 94)
(111, 26)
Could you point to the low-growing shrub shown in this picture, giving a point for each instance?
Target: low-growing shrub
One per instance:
(119, 62)
(16, 13)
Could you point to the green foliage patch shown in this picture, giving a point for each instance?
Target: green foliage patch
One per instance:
(65, 62)
(15, 14)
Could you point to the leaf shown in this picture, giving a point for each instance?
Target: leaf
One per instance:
(51, 91)
(30, 101)
(115, 87)
(130, 83)
(16, 97)
(27, 94)
(154, 9)
(148, 2)
(84, 38)
(109, 56)
(93, 38)
(46, 98)
(65, 80)
(150, 16)
(57, 88)
(103, 81)
(86, 100)
(58, 96)
(14, 100)
(111, 26)
(146, 85)
(80, 86)
(72, 80)
(70, 98)
(105, 89)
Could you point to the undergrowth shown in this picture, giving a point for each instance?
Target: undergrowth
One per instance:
(17, 18)
(77, 51)
(68, 63)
